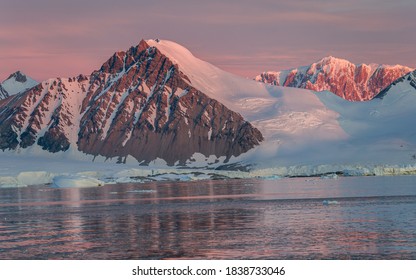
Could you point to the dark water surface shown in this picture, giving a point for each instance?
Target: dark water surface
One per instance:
(370, 218)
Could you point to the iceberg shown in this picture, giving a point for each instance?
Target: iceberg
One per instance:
(330, 202)
(71, 181)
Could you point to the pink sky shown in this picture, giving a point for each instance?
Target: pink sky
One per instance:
(55, 38)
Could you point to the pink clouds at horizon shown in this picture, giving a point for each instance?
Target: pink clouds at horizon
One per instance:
(47, 39)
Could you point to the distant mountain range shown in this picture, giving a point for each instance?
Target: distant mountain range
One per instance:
(156, 101)
(353, 82)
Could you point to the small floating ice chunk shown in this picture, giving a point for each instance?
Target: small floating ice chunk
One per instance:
(330, 202)
(270, 177)
(173, 177)
(34, 178)
(141, 191)
(8, 182)
(330, 176)
(198, 177)
(75, 181)
(127, 180)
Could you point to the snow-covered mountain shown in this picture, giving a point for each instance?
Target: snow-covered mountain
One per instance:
(16, 83)
(138, 103)
(354, 82)
(157, 100)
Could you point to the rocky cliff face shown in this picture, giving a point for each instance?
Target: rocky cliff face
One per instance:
(407, 84)
(46, 115)
(139, 103)
(3, 93)
(345, 79)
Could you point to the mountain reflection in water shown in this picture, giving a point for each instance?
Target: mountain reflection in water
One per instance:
(374, 218)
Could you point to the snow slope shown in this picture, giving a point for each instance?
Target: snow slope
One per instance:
(306, 128)
(290, 119)
(380, 130)
(16, 83)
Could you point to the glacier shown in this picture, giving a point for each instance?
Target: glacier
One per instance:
(61, 171)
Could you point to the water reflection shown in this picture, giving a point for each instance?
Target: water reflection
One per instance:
(236, 219)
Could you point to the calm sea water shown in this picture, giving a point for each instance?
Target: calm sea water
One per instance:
(370, 218)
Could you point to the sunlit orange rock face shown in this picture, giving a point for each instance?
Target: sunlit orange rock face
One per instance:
(345, 79)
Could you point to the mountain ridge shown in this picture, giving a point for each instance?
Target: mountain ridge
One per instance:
(353, 82)
(158, 101)
(138, 103)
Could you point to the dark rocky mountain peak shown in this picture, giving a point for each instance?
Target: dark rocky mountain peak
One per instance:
(137, 104)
